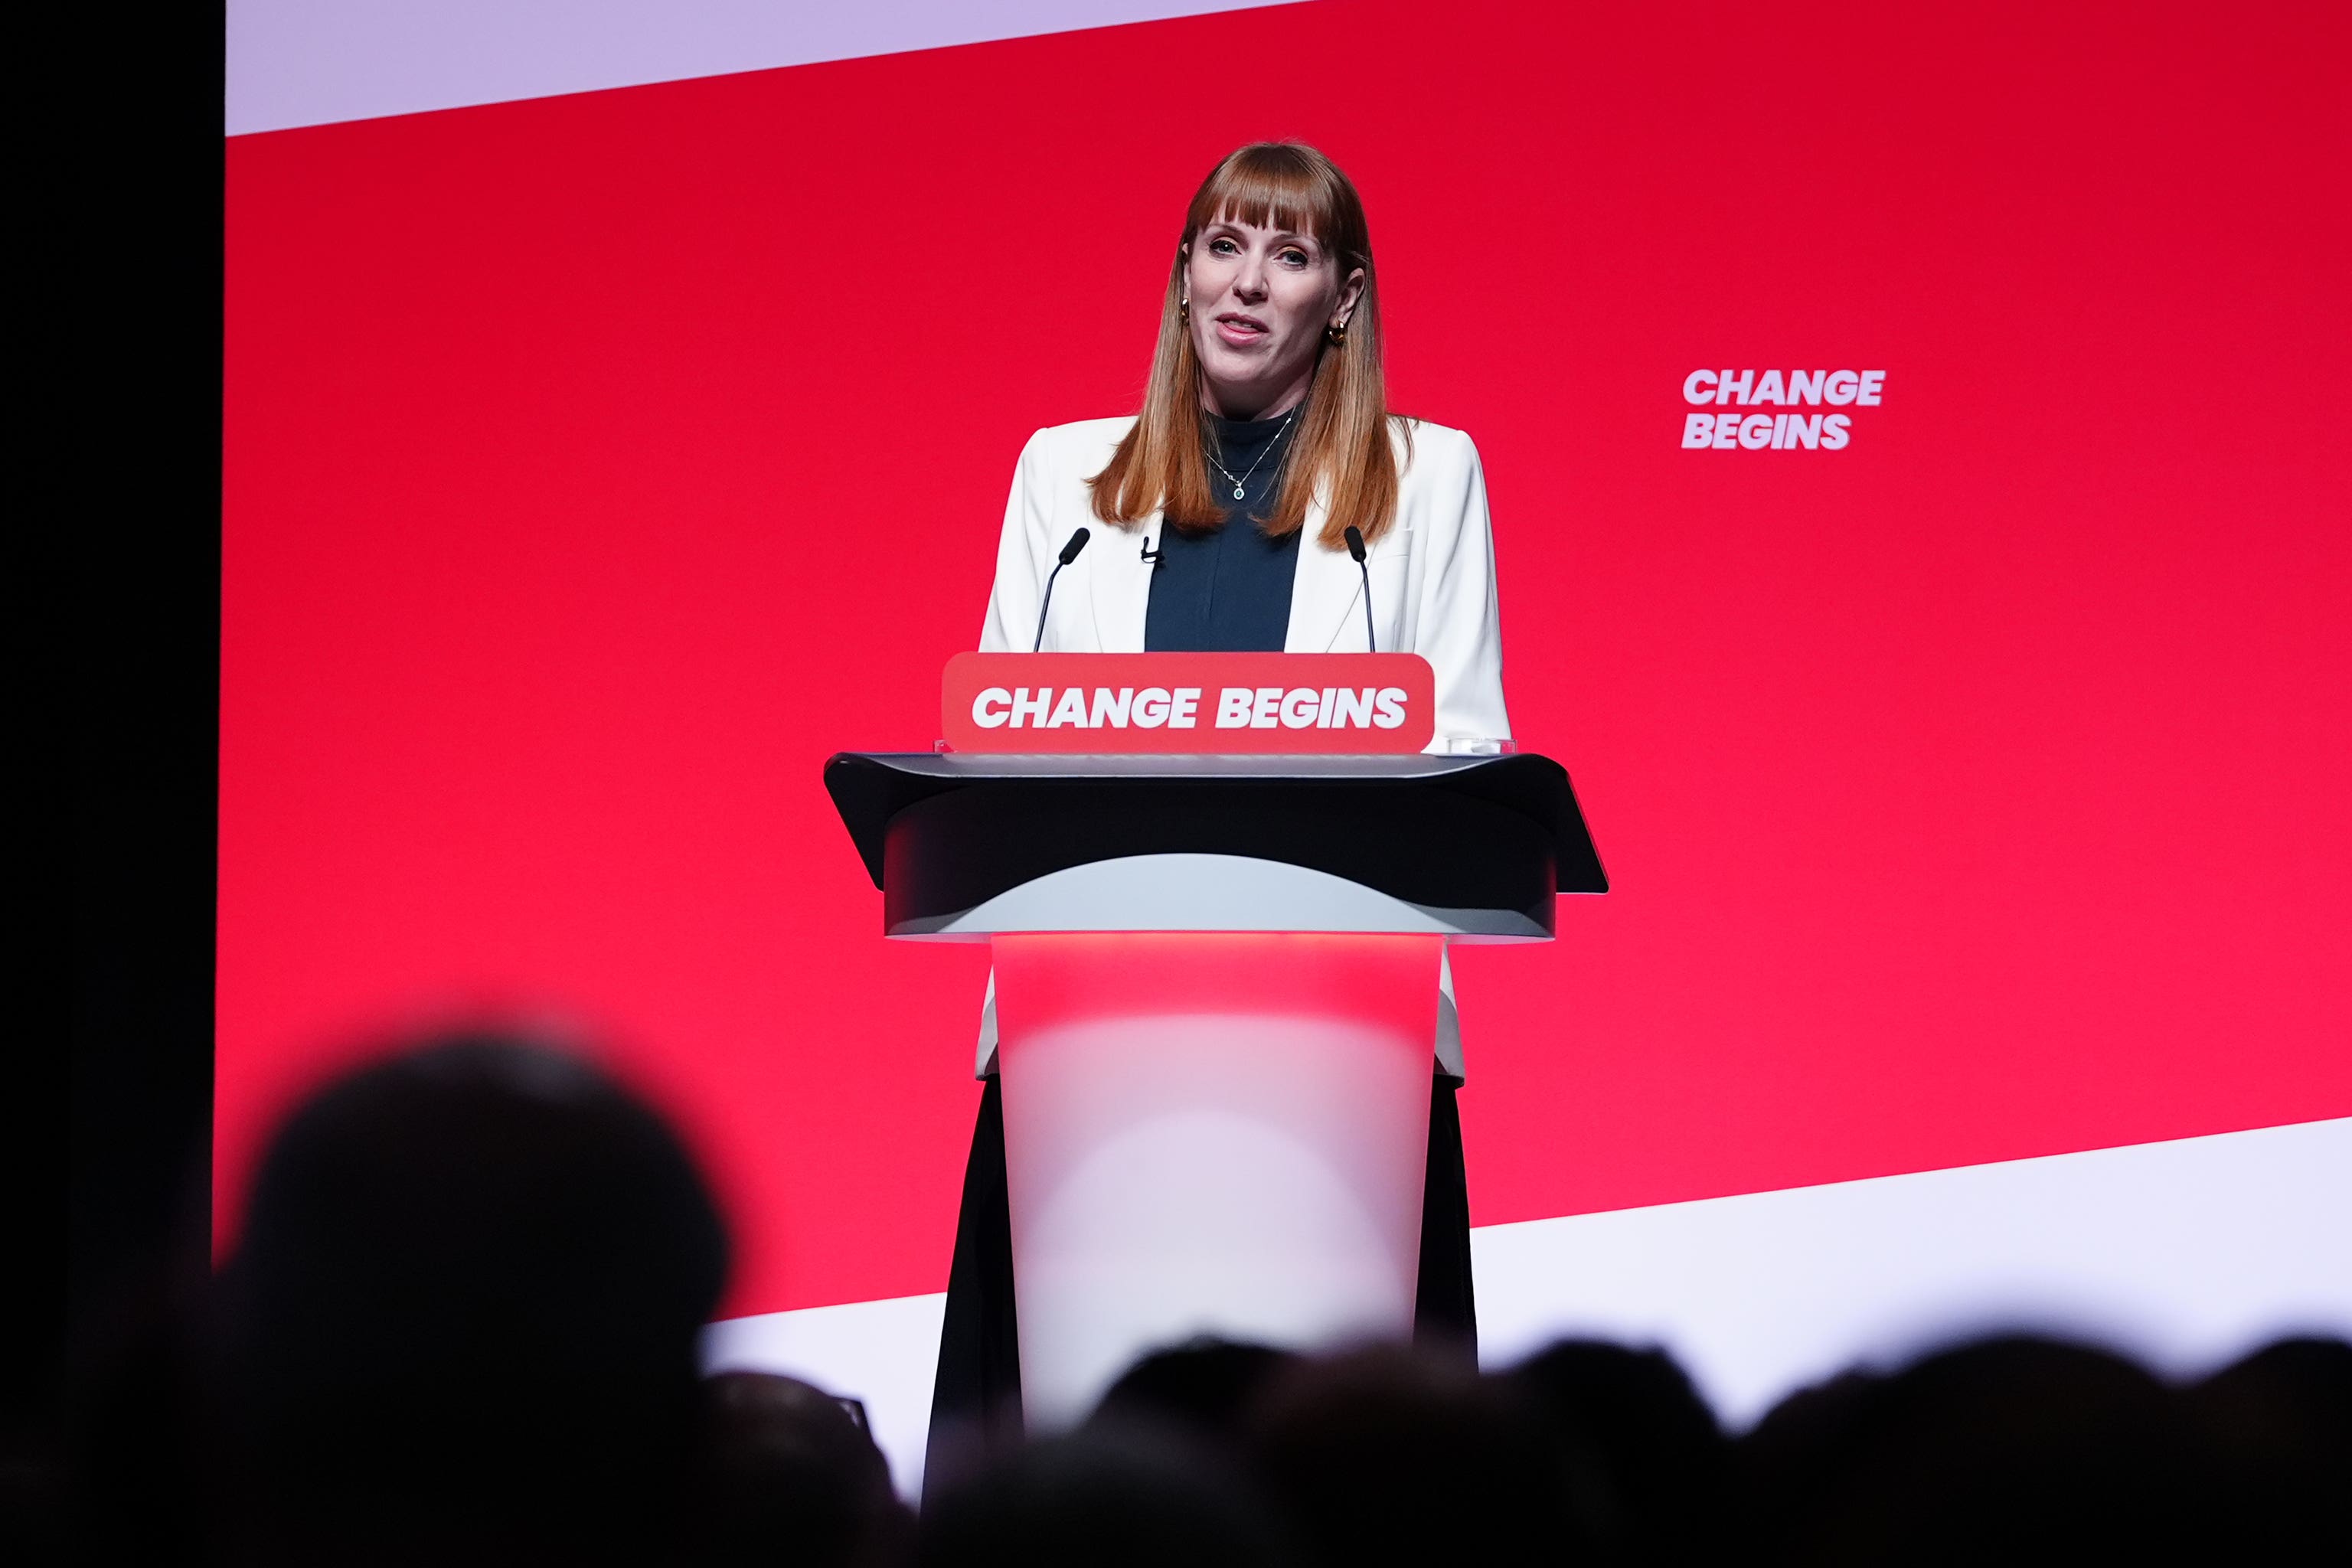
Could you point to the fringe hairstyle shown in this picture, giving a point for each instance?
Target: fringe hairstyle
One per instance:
(1340, 452)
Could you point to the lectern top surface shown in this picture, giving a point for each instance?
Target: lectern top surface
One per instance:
(1375, 819)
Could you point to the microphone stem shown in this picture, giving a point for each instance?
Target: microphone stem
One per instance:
(1047, 606)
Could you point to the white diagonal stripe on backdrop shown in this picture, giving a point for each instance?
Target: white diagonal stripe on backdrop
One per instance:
(2184, 1254)
(316, 62)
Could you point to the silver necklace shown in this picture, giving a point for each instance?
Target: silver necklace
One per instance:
(1243, 483)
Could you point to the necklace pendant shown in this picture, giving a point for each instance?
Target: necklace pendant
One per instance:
(1237, 492)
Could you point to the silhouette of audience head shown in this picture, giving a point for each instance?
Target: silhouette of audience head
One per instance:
(2006, 1448)
(1123, 1496)
(1386, 1455)
(2278, 1427)
(1202, 1389)
(791, 1472)
(1658, 1463)
(461, 1321)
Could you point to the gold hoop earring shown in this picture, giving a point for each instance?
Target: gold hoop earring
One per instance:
(1184, 309)
(1336, 334)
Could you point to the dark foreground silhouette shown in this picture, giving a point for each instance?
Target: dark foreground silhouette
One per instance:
(460, 1328)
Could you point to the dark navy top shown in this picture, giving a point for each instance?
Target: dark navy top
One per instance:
(1229, 592)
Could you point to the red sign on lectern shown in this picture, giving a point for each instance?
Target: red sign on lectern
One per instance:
(1261, 703)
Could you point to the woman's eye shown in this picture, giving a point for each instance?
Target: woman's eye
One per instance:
(1223, 247)
(1294, 258)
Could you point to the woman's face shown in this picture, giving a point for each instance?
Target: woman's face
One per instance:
(1261, 298)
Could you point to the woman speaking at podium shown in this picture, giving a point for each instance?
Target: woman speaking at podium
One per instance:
(1220, 518)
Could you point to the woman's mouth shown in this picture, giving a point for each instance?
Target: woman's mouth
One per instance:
(1241, 331)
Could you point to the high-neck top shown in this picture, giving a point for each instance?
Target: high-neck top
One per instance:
(1228, 591)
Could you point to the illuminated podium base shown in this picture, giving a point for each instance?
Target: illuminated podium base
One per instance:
(1216, 1009)
(1209, 1132)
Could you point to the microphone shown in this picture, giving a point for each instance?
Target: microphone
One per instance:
(1069, 553)
(1356, 549)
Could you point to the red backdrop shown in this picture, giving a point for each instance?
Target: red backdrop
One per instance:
(597, 464)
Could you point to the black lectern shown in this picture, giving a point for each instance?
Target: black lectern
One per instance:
(1215, 987)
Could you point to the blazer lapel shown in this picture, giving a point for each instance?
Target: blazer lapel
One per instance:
(1324, 594)
(1120, 584)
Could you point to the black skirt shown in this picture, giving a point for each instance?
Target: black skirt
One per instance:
(976, 1401)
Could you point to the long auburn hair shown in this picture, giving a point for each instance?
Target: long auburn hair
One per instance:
(1341, 451)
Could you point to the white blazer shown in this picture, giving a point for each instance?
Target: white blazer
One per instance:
(1432, 572)
(1433, 578)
